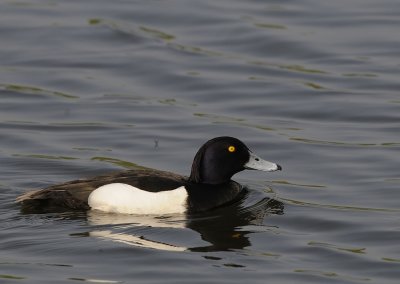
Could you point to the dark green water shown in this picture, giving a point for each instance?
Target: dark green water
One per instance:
(88, 87)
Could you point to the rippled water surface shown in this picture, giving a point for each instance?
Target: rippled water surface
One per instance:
(88, 87)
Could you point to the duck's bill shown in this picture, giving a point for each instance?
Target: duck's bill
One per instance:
(256, 163)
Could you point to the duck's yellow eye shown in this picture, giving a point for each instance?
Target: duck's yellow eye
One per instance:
(231, 149)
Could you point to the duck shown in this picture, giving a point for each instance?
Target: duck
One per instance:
(151, 191)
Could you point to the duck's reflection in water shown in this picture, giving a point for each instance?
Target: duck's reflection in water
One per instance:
(221, 229)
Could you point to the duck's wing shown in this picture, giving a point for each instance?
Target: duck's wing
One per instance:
(75, 194)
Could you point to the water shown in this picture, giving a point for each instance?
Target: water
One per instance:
(96, 86)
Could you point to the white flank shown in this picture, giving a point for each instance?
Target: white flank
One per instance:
(127, 199)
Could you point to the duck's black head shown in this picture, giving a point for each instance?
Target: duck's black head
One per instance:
(222, 157)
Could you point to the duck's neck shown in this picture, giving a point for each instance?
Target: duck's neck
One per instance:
(208, 180)
(211, 174)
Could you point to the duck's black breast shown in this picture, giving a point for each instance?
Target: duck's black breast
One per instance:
(203, 197)
(75, 194)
